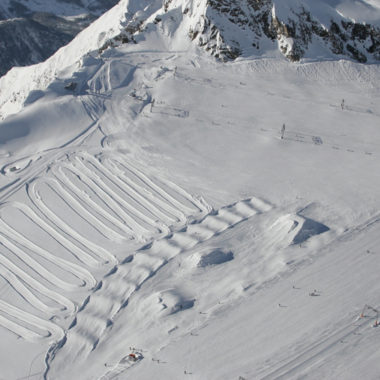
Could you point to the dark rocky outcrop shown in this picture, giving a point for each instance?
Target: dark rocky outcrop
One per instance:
(257, 20)
(226, 29)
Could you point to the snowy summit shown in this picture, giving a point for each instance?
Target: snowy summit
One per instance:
(190, 190)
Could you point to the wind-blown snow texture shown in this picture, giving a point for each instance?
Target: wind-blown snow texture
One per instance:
(155, 225)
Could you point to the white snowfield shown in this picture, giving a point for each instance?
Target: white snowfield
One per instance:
(155, 225)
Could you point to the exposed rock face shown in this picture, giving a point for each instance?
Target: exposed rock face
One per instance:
(250, 19)
(294, 33)
(359, 42)
(228, 29)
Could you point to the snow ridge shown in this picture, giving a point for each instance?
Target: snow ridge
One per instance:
(227, 29)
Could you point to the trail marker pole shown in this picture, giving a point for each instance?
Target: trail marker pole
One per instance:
(362, 313)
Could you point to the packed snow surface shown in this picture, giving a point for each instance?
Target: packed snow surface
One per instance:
(155, 225)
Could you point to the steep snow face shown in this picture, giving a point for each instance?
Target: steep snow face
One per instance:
(123, 23)
(360, 11)
(20, 81)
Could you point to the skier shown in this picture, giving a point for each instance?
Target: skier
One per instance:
(282, 131)
(342, 104)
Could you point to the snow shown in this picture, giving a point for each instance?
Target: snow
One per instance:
(155, 210)
(361, 11)
(39, 76)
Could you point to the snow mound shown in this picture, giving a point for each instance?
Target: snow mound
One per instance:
(173, 301)
(215, 257)
(309, 228)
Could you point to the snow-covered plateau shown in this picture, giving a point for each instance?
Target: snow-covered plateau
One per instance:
(177, 203)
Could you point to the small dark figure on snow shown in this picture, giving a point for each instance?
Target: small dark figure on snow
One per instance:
(282, 131)
(342, 104)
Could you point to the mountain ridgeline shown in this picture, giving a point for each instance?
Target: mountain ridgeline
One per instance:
(295, 31)
(228, 29)
(312, 30)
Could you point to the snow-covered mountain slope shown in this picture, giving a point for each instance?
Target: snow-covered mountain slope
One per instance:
(316, 30)
(31, 31)
(310, 29)
(155, 225)
(17, 85)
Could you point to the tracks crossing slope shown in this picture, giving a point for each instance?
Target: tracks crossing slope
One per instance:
(318, 349)
(108, 194)
(101, 308)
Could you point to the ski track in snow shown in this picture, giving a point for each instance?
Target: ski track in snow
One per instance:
(125, 204)
(117, 369)
(79, 272)
(31, 328)
(330, 141)
(114, 197)
(50, 155)
(102, 306)
(318, 350)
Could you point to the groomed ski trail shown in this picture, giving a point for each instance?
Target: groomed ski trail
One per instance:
(318, 349)
(87, 280)
(28, 326)
(135, 203)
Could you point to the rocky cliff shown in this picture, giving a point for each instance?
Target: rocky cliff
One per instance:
(297, 29)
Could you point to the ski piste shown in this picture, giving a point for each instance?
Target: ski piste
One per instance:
(153, 222)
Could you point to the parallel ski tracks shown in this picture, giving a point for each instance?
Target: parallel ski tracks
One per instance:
(316, 350)
(28, 325)
(102, 306)
(11, 234)
(107, 193)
